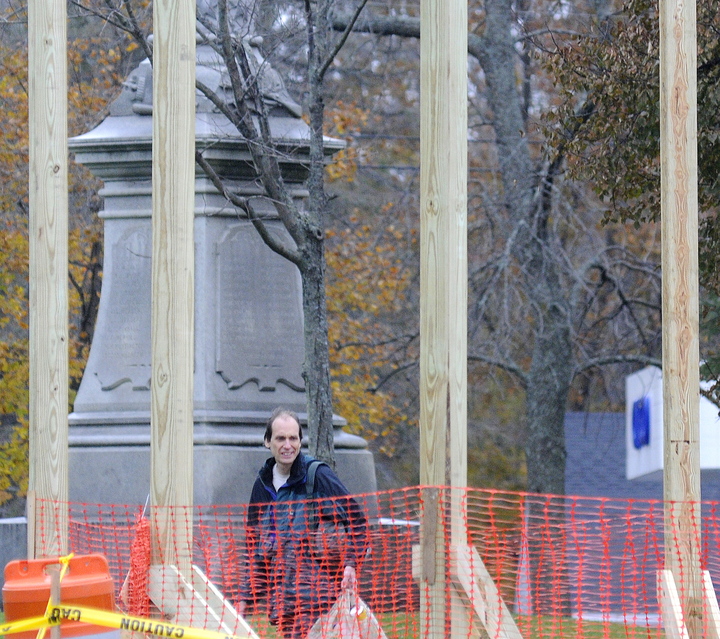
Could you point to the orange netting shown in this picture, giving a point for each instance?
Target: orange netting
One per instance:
(559, 566)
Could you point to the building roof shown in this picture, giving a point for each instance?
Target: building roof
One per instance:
(596, 462)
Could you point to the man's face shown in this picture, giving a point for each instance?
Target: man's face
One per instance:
(285, 442)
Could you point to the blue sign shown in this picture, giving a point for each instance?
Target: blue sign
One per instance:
(641, 422)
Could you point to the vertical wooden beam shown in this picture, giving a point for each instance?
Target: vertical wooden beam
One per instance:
(678, 143)
(55, 571)
(443, 293)
(48, 238)
(173, 281)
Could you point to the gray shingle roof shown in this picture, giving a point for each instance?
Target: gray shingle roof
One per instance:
(596, 461)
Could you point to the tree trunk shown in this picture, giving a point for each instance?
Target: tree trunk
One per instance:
(317, 352)
(548, 384)
(497, 57)
(316, 370)
(546, 398)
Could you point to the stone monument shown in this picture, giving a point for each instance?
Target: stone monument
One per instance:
(248, 311)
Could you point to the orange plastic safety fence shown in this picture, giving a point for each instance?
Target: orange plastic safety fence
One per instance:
(138, 601)
(495, 562)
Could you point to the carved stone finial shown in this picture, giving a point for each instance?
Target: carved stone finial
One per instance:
(136, 96)
(271, 83)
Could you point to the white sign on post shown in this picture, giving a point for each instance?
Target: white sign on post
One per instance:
(644, 425)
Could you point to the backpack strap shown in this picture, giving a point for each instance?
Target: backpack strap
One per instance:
(310, 480)
(309, 490)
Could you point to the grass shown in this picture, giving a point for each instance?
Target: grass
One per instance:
(401, 625)
(533, 627)
(405, 626)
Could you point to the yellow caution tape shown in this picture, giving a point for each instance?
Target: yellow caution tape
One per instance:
(59, 614)
(24, 624)
(155, 627)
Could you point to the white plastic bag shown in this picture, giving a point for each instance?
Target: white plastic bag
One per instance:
(349, 618)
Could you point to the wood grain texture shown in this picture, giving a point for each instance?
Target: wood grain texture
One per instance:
(443, 217)
(443, 293)
(173, 280)
(670, 609)
(48, 239)
(678, 138)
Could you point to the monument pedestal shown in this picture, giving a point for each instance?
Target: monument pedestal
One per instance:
(248, 310)
(112, 465)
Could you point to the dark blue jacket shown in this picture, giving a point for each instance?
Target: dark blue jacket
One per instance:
(284, 563)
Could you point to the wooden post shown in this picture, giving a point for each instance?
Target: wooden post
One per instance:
(173, 281)
(678, 153)
(443, 294)
(55, 594)
(48, 238)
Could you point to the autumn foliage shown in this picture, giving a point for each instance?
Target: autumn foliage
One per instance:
(93, 79)
(367, 284)
(368, 281)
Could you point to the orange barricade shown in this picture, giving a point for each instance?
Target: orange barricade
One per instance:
(87, 583)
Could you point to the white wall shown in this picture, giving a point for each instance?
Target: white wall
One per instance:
(647, 383)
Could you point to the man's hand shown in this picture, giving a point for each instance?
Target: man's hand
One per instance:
(349, 580)
(241, 606)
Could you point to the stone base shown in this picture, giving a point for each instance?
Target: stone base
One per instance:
(223, 474)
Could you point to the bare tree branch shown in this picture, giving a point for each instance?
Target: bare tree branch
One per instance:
(511, 368)
(267, 167)
(129, 24)
(384, 379)
(598, 362)
(341, 42)
(245, 205)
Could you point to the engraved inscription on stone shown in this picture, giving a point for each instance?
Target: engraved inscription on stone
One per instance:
(259, 321)
(127, 351)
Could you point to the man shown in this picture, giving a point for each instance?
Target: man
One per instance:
(287, 561)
